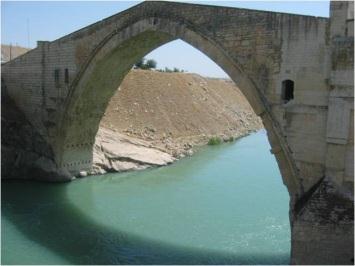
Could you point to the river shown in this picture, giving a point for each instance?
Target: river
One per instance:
(224, 205)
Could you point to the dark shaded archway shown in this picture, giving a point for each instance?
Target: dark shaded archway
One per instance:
(110, 62)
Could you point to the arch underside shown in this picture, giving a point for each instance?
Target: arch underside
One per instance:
(112, 60)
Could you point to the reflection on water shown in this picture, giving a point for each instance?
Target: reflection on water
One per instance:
(225, 205)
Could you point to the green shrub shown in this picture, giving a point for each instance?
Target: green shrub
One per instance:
(215, 141)
(139, 63)
(151, 64)
(167, 70)
(145, 64)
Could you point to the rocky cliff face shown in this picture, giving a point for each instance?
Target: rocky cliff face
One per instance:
(155, 118)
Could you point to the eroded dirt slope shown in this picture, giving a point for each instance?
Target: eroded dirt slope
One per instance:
(178, 105)
(172, 113)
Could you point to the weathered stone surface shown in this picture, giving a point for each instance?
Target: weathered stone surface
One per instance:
(24, 153)
(83, 173)
(117, 152)
(323, 222)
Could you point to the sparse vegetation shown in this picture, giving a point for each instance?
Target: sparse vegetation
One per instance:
(145, 64)
(139, 63)
(214, 141)
(177, 70)
(152, 64)
(168, 70)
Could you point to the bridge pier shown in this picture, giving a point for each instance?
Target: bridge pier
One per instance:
(322, 224)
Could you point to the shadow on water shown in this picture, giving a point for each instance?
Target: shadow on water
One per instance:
(55, 223)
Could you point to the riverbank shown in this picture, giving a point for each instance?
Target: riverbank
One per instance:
(196, 211)
(153, 119)
(157, 118)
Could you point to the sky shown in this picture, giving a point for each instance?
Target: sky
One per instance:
(23, 23)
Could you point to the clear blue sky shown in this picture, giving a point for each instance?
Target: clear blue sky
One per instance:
(51, 20)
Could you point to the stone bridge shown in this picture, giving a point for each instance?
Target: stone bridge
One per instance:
(295, 71)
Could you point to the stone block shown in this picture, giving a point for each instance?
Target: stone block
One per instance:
(338, 121)
(335, 158)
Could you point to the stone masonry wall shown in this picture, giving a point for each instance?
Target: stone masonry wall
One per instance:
(323, 223)
(340, 122)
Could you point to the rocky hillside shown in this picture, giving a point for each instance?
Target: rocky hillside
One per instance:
(169, 113)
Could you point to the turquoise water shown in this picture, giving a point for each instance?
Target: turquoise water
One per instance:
(224, 205)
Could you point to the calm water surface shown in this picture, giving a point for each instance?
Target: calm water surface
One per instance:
(224, 205)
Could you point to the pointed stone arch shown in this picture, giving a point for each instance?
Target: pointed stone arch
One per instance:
(112, 59)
